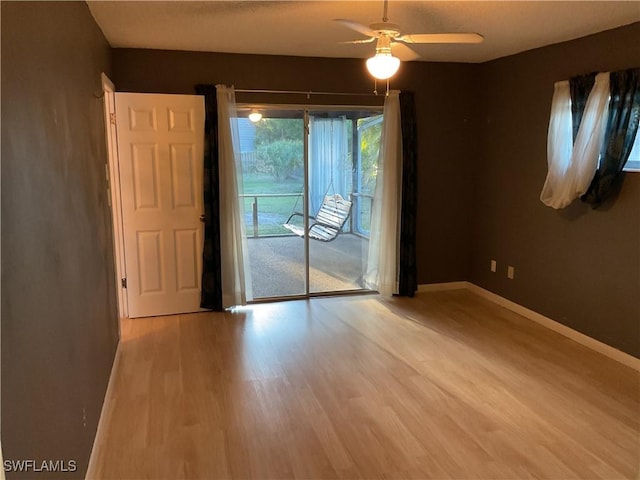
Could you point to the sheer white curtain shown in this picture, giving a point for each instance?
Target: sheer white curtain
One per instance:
(329, 172)
(236, 280)
(382, 264)
(573, 165)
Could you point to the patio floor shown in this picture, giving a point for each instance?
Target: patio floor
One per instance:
(277, 265)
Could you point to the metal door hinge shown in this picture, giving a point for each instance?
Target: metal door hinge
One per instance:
(123, 282)
(112, 118)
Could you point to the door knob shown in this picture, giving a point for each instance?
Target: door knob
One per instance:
(202, 217)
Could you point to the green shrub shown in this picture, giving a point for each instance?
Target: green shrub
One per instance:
(282, 157)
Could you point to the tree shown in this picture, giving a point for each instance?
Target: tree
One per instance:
(371, 133)
(282, 157)
(279, 145)
(273, 129)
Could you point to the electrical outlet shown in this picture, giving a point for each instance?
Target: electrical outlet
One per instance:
(511, 272)
(494, 266)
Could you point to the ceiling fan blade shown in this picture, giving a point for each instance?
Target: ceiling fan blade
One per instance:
(358, 27)
(403, 52)
(442, 38)
(368, 40)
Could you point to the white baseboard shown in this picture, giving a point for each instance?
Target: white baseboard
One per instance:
(581, 338)
(104, 419)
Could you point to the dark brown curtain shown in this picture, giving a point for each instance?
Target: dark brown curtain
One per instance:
(408, 281)
(211, 294)
(580, 87)
(622, 128)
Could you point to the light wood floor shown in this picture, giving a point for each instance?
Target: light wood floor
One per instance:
(445, 385)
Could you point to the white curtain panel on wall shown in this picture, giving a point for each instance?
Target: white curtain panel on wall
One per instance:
(572, 166)
(330, 170)
(236, 280)
(382, 264)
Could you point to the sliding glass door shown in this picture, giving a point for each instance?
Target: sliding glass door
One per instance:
(308, 186)
(272, 155)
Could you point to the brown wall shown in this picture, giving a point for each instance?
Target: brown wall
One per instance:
(481, 165)
(446, 105)
(577, 266)
(482, 162)
(59, 319)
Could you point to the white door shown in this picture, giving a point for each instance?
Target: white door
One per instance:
(160, 149)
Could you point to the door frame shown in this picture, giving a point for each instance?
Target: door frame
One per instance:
(307, 109)
(113, 187)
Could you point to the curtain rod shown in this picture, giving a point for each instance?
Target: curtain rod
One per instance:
(307, 93)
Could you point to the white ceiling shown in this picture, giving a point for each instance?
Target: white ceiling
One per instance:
(306, 28)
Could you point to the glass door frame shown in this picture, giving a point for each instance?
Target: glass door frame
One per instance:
(246, 107)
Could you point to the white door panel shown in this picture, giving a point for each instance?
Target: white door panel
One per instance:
(160, 145)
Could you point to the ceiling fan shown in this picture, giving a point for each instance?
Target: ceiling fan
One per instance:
(391, 44)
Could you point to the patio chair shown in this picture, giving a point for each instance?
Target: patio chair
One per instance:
(327, 223)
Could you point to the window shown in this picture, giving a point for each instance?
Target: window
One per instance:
(295, 156)
(633, 164)
(574, 157)
(369, 131)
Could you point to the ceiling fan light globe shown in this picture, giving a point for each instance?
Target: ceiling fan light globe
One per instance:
(255, 117)
(383, 65)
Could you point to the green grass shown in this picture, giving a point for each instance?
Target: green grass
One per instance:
(272, 211)
(265, 183)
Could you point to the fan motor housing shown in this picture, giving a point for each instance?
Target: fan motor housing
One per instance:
(390, 29)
